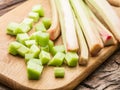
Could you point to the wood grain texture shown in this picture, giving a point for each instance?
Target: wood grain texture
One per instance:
(106, 77)
(7, 5)
(9, 62)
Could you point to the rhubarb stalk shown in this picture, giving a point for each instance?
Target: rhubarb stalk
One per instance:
(54, 30)
(106, 35)
(106, 13)
(91, 34)
(67, 25)
(84, 52)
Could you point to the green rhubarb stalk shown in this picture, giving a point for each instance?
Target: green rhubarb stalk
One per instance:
(46, 22)
(34, 69)
(61, 22)
(107, 14)
(106, 35)
(67, 25)
(84, 52)
(71, 59)
(59, 72)
(91, 34)
(57, 60)
(54, 29)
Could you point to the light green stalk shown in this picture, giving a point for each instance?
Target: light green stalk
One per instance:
(91, 34)
(107, 14)
(67, 25)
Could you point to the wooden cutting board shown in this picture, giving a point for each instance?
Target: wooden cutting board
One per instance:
(13, 69)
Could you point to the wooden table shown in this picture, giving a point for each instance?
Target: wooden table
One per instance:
(106, 77)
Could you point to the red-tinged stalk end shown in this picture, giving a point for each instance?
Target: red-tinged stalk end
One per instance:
(67, 25)
(54, 30)
(105, 12)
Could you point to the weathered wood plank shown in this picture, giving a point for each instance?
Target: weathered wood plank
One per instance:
(5, 10)
(7, 3)
(106, 77)
(3, 87)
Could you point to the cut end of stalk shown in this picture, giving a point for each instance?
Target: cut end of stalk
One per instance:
(54, 32)
(54, 29)
(73, 47)
(83, 61)
(94, 51)
(106, 35)
(67, 25)
(105, 13)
